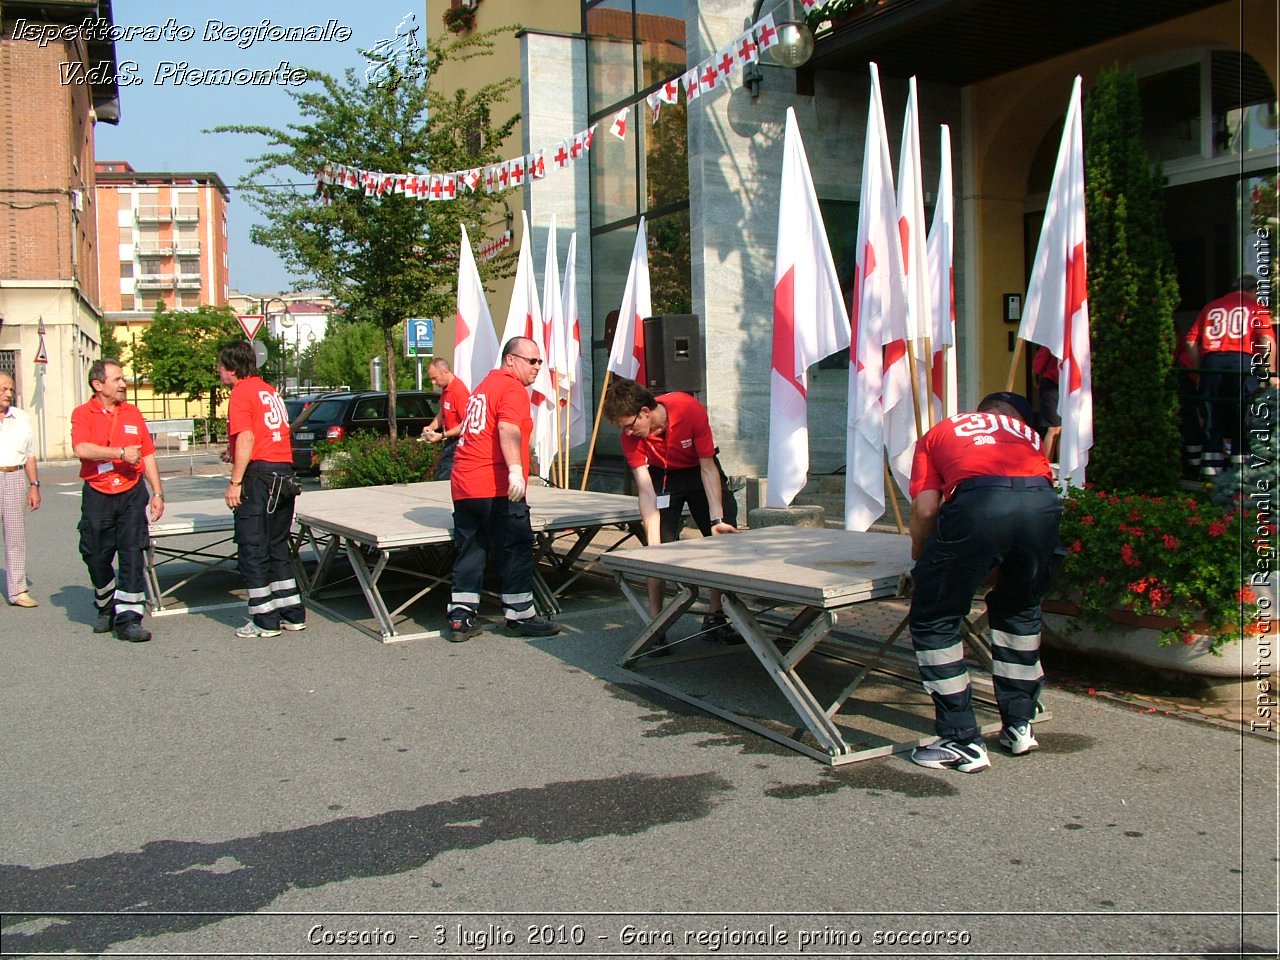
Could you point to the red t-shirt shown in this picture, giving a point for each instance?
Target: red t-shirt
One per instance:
(453, 404)
(121, 426)
(1045, 365)
(976, 445)
(255, 406)
(686, 439)
(1236, 323)
(479, 469)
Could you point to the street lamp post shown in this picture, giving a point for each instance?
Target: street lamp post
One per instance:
(286, 321)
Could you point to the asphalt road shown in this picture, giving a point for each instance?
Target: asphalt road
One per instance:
(321, 793)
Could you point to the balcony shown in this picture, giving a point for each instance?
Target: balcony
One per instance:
(153, 214)
(188, 281)
(154, 248)
(187, 248)
(186, 214)
(153, 281)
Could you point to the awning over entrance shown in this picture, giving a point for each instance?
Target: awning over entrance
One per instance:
(959, 42)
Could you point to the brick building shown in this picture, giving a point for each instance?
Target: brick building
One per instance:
(51, 95)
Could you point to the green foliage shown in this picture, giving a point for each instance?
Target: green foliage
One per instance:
(382, 259)
(343, 356)
(178, 352)
(370, 460)
(1171, 556)
(1256, 479)
(111, 348)
(1132, 295)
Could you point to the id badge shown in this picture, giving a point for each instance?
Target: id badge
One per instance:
(664, 501)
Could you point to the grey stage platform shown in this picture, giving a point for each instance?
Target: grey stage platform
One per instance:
(408, 528)
(210, 521)
(818, 571)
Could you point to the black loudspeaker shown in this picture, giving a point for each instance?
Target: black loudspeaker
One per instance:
(673, 354)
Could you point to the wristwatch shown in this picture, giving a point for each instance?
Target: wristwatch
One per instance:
(35, 483)
(717, 521)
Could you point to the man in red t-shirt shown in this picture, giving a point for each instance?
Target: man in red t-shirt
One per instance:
(115, 450)
(490, 513)
(447, 424)
(668, 444)
(982, 499)
(1044, 367)
(261, 492)
(1233, 345)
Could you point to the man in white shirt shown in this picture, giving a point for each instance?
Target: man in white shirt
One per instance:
(19, 489)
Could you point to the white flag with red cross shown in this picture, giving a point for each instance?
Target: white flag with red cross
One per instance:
(524, 318)
(626, 356)
(942, 287)
(809, 318)
(877, 295)
(1056, 314)
(619, 126)
(546, 436)
(572, 384)
(475, 345)
(901, 396)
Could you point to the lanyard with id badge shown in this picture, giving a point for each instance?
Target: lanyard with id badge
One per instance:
(663, 498)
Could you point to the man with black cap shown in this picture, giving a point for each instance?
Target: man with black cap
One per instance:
(982, 501)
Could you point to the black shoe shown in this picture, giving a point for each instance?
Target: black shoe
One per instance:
(717, 628)
(660, 648)
(133, 632)
(106, 620)
(533, 627)
(462, 628)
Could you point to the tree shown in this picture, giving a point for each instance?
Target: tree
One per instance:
(178, 352)
(110, 347)
(382, 259)
(342, 357)
(1133, 291)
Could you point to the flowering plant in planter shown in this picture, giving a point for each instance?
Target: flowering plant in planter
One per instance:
(1175, 558)
(461, 17)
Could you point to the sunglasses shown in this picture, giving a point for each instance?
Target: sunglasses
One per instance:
(533, 361)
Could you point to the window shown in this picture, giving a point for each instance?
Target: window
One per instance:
(126, 301)
(126, 269)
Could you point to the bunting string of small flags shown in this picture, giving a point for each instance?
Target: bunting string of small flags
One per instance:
(696, 81)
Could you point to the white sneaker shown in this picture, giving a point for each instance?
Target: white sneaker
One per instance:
(1018, 739)
(251, 631)
(947, 754)
(290, 625)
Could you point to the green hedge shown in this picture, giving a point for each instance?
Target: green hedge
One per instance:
(372, 460)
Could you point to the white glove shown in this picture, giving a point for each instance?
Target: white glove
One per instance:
(906, 583)
(515, 483)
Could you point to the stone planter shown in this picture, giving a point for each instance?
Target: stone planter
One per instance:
(1134, 639)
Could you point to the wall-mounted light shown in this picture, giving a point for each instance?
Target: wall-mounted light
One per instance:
(793, 47)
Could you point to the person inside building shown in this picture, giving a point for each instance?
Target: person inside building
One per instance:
(668, 444)
(982, 502)
(1044, 367)
(1234, 347)
(19, 492)
(261, 491)
(115, 449)
(490, 510)
(447, 424)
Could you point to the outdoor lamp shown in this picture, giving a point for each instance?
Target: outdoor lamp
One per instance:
(793, 47)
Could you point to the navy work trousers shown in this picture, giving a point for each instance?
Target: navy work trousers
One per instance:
(262, 525)
(485, 526)
(113, 537)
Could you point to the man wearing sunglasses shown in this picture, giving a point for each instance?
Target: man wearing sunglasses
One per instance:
(490, 513)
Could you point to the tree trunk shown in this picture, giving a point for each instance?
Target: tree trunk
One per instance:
(389, 369)
(213, 412)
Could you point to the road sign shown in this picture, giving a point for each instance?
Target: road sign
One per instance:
(251, 323)
(419, 337)
(42, 354)
(259, 352)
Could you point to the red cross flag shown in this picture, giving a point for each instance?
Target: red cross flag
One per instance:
(725, 62)
(745, 49)
(524, 317)
(942, 287)
(561, 155)
(619, 126)
(572, 381)
(475, 345)
(766, 33)
(1056, 314)
(490, 179)
(626, 357)
(517, 171)
(691, 85)
(809, 318)
(536, 164)
(655, 102)
(877, 295)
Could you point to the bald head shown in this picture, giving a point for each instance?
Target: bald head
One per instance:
(6, 392)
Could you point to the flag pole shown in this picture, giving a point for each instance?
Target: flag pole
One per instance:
(928, 379)
(915, 385)
(1014, 364)
(891, 488)
(595, 430)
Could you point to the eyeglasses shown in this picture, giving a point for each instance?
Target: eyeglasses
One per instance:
(627, 428)
(532, 361)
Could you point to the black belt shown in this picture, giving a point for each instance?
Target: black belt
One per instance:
(267, 468)
(1009, 483)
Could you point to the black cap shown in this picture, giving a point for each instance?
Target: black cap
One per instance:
(1015, 400)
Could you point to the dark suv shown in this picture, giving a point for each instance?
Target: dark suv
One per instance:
(335, 417)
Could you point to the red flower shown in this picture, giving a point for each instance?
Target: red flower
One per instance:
(1077, 546)
(1102, 581)
(1134, 515)
(1087, 520)
(1246, 595)
(1138, 586)
(1188, 638)
(1160, 596)
(1217, 528)
(1171, 542)
(1129, 557)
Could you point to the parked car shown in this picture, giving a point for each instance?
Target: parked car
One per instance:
(338, 415)
(297, 405)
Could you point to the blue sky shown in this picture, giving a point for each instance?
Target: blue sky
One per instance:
(162, 124)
